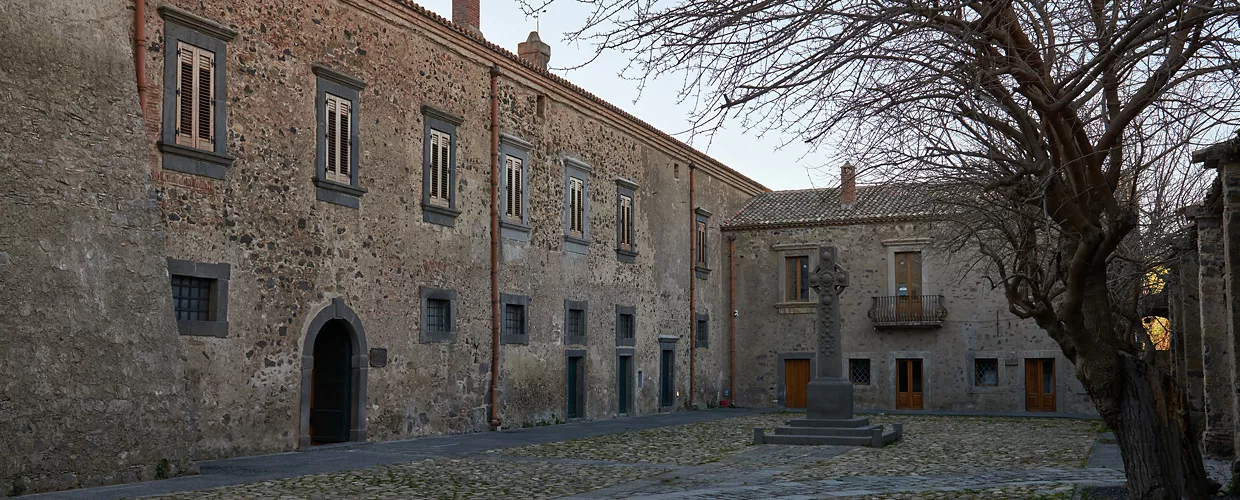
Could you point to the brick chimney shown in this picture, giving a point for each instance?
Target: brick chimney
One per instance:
(466, 14)
(848, 185)
(535, 51)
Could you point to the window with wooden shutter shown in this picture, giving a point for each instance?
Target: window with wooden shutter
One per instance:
(513, 193)
(626, 222)
(576, 188)
(701, 243)
(338, 146)
(441, 171)
(195, 99)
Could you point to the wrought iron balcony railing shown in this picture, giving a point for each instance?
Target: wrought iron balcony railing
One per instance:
(922, 311)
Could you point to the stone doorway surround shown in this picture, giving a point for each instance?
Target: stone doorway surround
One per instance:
(337, 309)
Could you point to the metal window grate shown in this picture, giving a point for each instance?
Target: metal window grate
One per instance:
(514, 319)
(859, 371)
(986, 372)
(624, 328)
(703, 331)
(191, 298)
(576, 322)
(438, 315)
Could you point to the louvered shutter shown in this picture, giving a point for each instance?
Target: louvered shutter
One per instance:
(331, 144)
(205, 98)
(346, 141)
(445, 167)
(510, 187)
(185, 95)
(434, 165)
(517, 207)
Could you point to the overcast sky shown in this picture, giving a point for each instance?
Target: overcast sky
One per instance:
(760, 158)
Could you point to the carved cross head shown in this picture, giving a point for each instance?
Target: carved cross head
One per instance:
(829, 278)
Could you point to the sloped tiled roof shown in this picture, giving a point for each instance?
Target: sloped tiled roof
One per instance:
(809, 207)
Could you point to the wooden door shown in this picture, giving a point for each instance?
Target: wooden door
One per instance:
(908, 286)
(622, 383)
(909, 390)
(576, 389)
(667, 385)
(1040, 384)
(796, 377)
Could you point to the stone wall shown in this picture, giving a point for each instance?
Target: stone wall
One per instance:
(977, 324)
(91, 370)
(291, 255)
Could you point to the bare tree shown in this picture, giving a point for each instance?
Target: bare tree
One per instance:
(1070, 121)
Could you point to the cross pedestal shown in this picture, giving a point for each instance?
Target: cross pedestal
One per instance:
(829, 396)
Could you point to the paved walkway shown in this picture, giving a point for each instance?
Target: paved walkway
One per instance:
(234, 471)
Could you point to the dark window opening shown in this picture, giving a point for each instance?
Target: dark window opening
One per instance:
(859, 371)
(438, 315)
(514, 319)
(191, 298)
(576, 322)
(986, 372)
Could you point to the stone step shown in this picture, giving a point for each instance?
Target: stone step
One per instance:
(888, 437)
(865, 432)
(813, 422)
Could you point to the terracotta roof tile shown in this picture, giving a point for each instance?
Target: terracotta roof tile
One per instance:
(809, 207)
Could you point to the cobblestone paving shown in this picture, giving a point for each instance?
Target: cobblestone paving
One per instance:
(691, 444)
(941, 458)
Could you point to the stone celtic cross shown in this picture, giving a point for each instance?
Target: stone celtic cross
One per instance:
(829, 280)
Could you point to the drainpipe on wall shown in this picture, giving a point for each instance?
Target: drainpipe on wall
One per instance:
(495, 422)
(139, 54)
(731, 320)
(692, 286)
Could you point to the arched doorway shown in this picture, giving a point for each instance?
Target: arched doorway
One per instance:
(334, 366)
(330, 384)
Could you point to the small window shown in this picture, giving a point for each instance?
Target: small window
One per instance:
(514, 320)
(703, 331)
(986, 372)
(626, 326)
(338, 146)
(626, 223)
(195, 99)
(626, 206)
(859, 371)
(575, 321)
(796, 279)
(514, 197)
(701, 243)
(438, 315)
(191, 298)
(440, 168)
(576, 188)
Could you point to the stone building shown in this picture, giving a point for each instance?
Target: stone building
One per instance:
(238, 228)
(1205, 305)
(921, 326)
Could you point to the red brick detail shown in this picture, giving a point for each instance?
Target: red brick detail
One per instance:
(466, 13)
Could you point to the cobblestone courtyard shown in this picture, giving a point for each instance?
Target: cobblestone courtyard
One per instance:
(941, 457)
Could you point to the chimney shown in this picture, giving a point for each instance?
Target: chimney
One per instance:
(466, 14)
(534, 51)
(848, 185)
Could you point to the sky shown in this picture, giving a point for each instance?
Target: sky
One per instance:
(761, 158)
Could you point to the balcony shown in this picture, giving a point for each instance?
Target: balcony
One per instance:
(923, 311)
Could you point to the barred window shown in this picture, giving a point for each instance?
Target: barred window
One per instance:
(438, 315)
(859, 371)
(703, 331)
(191, 298)
(986, 372)
(624, 327)
(576, 322)
(514, 319)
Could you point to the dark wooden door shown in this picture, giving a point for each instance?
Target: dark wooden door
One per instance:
(576, 379)
(622, 382)
(1040, 384)
(796, 377)
(909, 390)
(667, 384)
(330, 391)
(908, 286)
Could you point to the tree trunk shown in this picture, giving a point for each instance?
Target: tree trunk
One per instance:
(1149, 414)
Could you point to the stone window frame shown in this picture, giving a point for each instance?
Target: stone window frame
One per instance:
(632, 312)
(446, 123)
(510, 145)
(219, 274)
(507, 299)
(625, 187)
(701, 247)
(701, 335)
(425, 336)
(876, 368)
(349, 88)
(1002, 374)
(181, 26)
(908, 245)
(584, 307)
(576, 169)
(782, 251)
